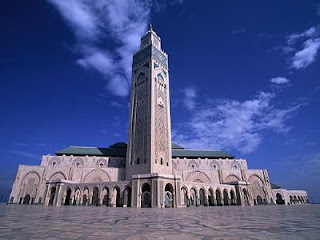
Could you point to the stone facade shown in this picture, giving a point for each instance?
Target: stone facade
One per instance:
(150, 171)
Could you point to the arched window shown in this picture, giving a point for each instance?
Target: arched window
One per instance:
(101, 165)
(161, 161)
(138, 160)
(54, 164)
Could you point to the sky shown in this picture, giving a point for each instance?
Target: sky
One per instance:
(244, 78)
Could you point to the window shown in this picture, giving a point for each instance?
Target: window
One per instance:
(193, 166)
(235, 167)
(78, 164)
(161, 161)
(155, 160)
(214, 167)
(54, 164)
(138, 161)
(101, 164)
(145, 160)
(167, 164)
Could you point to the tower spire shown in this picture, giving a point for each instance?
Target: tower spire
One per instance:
(150, 27)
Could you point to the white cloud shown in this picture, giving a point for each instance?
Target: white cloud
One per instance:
(231, 124)
(279, 80)
(304, 46)
(189, 98)
(307, 54)
(121, 22)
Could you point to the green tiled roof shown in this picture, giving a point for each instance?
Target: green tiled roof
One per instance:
(190, 153)
(274, 186)
(120, 149)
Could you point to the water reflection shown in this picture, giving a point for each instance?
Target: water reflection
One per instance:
(233, 222)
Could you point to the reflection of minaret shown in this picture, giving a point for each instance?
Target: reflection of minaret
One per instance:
(149, 145)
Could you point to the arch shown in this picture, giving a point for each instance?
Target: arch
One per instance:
(295, 199)
(184, 196)
(233, 200)
(105, 197)
(202, 197)
(78, 162)
(211, 197)
(127, 196)
(218, 197)
(85, 196)
(235, 165)
(77, 196)
(291, 199)
(198, 176)
(96, 175)
(193, 197)
(101, 162)
(68, 196)
(26, 199)
(232, 178)
(95, 197)
(55, 161)
(214, 165)
(193, 164)
(52, 195)
(259, 200)
(117, 197)
(225, 197)
(256, 187)
(146, 195)
(279, 199)
(245, 197)
(168, 196)
(57, 176)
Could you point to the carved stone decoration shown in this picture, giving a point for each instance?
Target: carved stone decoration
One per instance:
(198, 176)
(96, 175)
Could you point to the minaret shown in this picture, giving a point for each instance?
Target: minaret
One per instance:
(149, 144)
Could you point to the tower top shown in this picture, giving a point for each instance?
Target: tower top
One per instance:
(150, 27)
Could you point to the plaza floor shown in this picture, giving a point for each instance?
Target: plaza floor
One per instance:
(233, 222)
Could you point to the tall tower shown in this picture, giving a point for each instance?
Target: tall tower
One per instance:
(149, 145)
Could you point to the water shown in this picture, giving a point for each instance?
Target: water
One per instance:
(233, 222)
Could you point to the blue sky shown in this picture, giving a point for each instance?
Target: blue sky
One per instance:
(244, 78)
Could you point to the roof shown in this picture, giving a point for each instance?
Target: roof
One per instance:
(119, 150)
(274, 186)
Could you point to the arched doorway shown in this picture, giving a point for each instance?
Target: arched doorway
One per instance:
(127, 197)
(184, 197)
(193, 197)
(202, 197)
(259, 200)
(225, 197)
(291, 199)
(146, 195)
(211, 198)
(95, 196)
(52, 194)
(233, 198)
(218, 197)
(85, 197)
(168, 196)
(245, 197)
(117, 196)
(76, 198)
(105, 195)
(67, 200)
(26, 199)
(279, 199)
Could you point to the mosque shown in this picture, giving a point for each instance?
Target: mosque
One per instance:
(149, 170)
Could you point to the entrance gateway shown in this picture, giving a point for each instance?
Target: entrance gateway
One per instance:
(149, 170)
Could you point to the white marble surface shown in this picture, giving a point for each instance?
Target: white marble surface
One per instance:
(234, 222)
